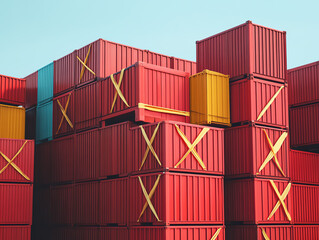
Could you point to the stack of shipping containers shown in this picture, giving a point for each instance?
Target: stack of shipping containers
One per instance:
(16, 162)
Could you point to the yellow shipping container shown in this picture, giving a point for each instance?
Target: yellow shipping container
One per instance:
(12, 122)
(209, 98)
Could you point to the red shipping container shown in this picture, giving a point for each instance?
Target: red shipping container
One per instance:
(16, 160)
(42, 164)
(304, 127)
(15, 232)
(41, 206)
(153, 93)
(249, 153)
(88, 106)
(177, 232)
(12, 90)
(303, 84)
(304, 167)
(172, 141)
(252, 201)
(176, 199)
(87, 155)
(243, 50)
(63, 114)
(113, 201)
(86, 202)
(305, 232)
(30, 122)
(87, 233)
(61, 233)
(259, 101)
(62, 204)
(118, 233)
(259, 232)
(16, 203)
(62, 165)
(156, 59)
(31, 85)
(305, 204)
(183, 65)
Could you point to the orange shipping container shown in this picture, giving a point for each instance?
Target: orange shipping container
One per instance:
(12, 122)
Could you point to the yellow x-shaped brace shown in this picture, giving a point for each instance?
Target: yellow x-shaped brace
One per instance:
(10, 162)
(163, 110)
(214, 237)
(191, 147)
(148, 198)
(273, 151)
(64, 115)
(269, 103)
(84, 64)
(281, 200)
(118, 90)
(149, 146)
(264, 234)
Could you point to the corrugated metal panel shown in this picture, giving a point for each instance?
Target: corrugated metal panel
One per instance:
(249, 97)
(16, 203)
(61, 233)
(247, 148)
(303, 84)
(243, 50)
(87, 233)
(24, 160)
(209, 98)
(156, 59)
(183, 65)
(153, 85)
(113, 201)
(12, 90)
(305, 232)
(178, 199)
(30, 122)
(251, 201)
(255, 232)
(45, 83)
(305, 204)
(88, 106)
(304, 167)
(15, 232)
(119, 233)
(12, 122)
(42, 164)
(176, 232)
(31, 85)
(44, 122)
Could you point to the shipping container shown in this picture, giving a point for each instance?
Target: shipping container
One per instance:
(209, 98)
(171, 142)
(150, 92)
(88, 106)
(118, 233)
(12, 122)
(113, 202)
(305, 204)
(177, 232)
(41, 206)
(44, 117)
(87, 155)
(15, 232)
(259, 232)
(31, 85)
(16, 160)
(45, 83)
(156, 59)
(16, 203)
(183, 65)
(303, 84)
(42, 164)
(87, 233)
(63, 114)
(61, 233)
(86, 202)
(305, 232)
(30, 122)
(40, 232)
(254, 200)
(304, 167)
(12, 90)
(175, 198)
(304, 126)
(259, 101)
(243, 50)
(249, 152)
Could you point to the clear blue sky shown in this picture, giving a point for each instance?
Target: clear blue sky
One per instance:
(34, 33)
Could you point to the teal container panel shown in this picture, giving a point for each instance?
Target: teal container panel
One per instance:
(45, 83)
(44, 122)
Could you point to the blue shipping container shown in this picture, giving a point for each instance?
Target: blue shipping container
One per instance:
(44, 122)
(45, 83)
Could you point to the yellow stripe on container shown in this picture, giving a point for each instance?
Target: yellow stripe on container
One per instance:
(209, 98)
(12, 122)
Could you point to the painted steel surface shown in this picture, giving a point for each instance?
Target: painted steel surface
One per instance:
(42, 163)
(246, 49)
(12, 122)
(120, 233)
(44, 117)
(30, 122)
(45, 83)
(248, 98)
(183, 65)
(305, 232)
(31, 86)
(12, 90)
(87, 233)
(209, 98)
(303, 84)
(15, 232)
